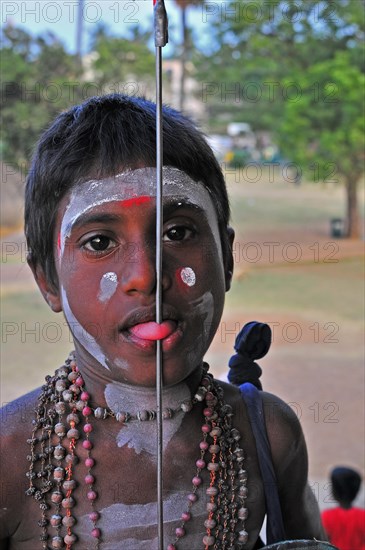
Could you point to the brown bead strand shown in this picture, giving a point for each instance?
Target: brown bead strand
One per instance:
(87, 444)
(90, 481)
(232, 508)
(224, 502)
(227, 488)
(40, 479)
(73, 435)
(192, 497)
(32, 476)
(56, 496)
(68, 502)
(210, 523)
(59, 385)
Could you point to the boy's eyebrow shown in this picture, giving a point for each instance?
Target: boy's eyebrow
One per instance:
(170, 205)
(89, 218)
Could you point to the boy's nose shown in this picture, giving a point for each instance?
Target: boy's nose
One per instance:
(138, 272)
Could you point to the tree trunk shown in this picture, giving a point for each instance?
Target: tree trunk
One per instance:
(353, 217)
(183, 58)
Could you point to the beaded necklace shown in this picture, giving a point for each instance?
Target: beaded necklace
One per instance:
(64, 413)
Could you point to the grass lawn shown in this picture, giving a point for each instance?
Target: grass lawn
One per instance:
(289, 271)
(332, 290)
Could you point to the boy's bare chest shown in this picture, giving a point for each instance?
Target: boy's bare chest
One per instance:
(126, 487)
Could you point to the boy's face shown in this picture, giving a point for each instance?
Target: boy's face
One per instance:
(107, 277)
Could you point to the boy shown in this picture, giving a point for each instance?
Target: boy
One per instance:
(90, 455)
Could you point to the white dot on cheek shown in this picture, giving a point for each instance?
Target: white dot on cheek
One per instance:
(108, 285)
(188, 276)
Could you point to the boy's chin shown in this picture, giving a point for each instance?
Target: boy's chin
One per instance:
(143, 372)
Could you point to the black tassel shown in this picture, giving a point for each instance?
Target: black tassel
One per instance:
(252, 342)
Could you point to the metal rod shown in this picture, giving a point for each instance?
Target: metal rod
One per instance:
(161, 37)
(159, 223)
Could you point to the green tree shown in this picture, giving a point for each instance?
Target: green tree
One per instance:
(40, 79)
(37, 76)
(117, 62)
(323, 130)
(263, 54)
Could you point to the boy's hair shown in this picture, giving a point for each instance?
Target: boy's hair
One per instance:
(99, 138)
(346, 483)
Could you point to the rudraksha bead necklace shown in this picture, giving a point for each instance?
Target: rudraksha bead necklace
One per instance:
(64, 413)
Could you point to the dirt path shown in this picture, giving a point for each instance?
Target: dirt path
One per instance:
(322, 380)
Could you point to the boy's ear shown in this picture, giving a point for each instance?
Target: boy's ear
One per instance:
(49, 293)
(228, 263)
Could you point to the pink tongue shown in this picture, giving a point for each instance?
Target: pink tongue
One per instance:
(153, 331)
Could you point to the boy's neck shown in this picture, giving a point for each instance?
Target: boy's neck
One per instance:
(106, 390)
(121, 398)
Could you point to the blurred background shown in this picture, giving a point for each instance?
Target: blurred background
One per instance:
(278, 88)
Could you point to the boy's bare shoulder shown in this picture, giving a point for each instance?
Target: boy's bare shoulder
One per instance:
(16, 416)
(276, 409)
(290, 458)
(283, 427)
(282, 423)
(16, 427)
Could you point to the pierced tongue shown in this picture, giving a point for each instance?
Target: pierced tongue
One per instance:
(153, 330)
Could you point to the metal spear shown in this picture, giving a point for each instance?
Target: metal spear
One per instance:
(161, 38)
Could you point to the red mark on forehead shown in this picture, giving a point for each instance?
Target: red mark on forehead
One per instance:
(59, 243)
(135, 201)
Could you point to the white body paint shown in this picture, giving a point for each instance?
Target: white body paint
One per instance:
(134, 527)
(188, 276)
(142, 436)
(125, 186)
(108, 286)
(120, 363)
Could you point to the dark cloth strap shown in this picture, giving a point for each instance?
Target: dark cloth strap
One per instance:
(275, 527)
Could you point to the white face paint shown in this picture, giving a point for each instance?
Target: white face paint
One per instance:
(80, 334)
(188, 276)
(204, 308)
(131, 185)
(126, 186)
(142, 436)
(108, 285)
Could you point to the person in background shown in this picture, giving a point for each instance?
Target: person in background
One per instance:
(345, 524)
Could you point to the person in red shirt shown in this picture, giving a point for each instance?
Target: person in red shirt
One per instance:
(345, 524)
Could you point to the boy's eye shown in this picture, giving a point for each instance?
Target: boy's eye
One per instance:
(99, 243)
(177, 233)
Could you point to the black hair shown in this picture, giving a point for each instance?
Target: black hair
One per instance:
(99, 138)
(346, 483)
